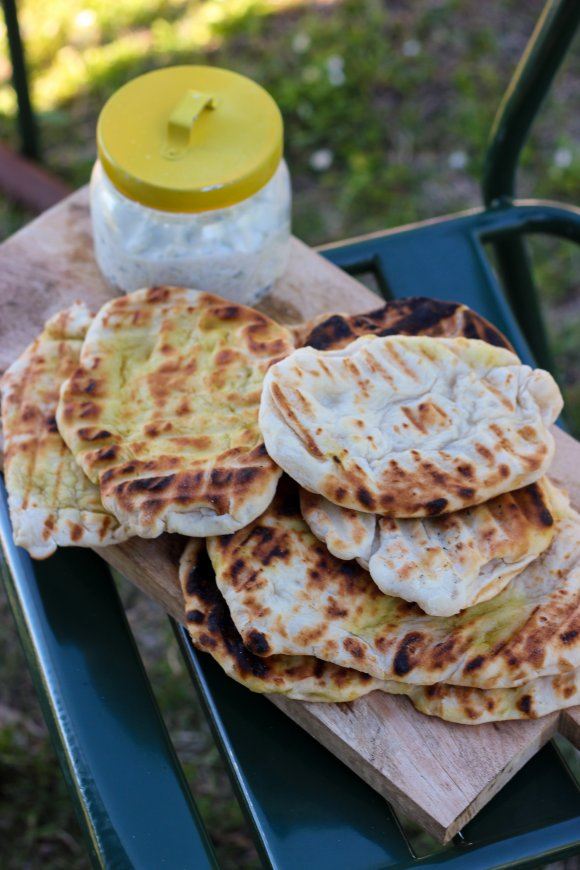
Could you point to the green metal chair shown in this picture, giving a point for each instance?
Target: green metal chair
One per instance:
(27, 126)
(305, 807)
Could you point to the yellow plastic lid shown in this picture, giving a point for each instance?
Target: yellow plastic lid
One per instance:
(190, 138)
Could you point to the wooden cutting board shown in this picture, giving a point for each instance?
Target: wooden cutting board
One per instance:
(438, 773)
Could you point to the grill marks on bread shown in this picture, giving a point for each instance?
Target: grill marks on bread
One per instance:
(174, 378)
(305, 601)
(307, 678)
(444, 563)
(212, 630)
(409, 426)
(416, 315)
(466, 705)
(51, 501)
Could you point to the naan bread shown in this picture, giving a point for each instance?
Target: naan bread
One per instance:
(469, 706)
(288, 595)
(415, 315)
(163, 411)
(443, 564)
(306, 678)
(212, 630)
(51, 501)
(409, 426)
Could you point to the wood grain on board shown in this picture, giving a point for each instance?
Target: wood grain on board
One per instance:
(439, 773)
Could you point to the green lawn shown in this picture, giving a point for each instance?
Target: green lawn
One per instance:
(387, 108)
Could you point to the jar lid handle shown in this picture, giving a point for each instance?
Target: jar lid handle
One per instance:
(181, 121)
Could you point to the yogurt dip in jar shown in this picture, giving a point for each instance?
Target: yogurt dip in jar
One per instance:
(190, 186)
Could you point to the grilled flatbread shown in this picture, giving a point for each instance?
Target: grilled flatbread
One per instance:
(212, 630)
(163, 411)
(443, 564)
(469, 706)
(52, 503)
(288, 595)
(306, 678)
(409, 426)
(415, 315)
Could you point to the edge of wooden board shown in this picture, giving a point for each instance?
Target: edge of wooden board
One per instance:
(441, 818)
(569, 725)
(565, 468)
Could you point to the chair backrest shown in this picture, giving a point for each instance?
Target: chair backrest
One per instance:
(519, 107)
(453, 251)
(531, 81)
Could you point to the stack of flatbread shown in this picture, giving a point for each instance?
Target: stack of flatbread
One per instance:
(414, 544)
(139, 420)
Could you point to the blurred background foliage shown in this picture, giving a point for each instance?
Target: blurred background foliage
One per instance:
(387, 108)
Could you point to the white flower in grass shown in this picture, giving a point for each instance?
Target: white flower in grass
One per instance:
(84, 28)
(411, 47)
(301, 43)
(85, 18)
(562, 158)
(321, 160)
(457, 160)
(335, 70)
(310, 74)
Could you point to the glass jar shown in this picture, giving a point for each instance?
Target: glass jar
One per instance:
(236, 252)
(190, 187)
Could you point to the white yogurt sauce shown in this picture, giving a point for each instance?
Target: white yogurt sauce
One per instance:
(236, 252)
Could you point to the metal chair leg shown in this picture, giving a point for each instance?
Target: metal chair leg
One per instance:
(29, 140)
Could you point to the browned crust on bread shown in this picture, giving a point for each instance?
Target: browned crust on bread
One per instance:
(415, 315)
(187, 440)
(437, 648)
(212, 630)
(151, 488)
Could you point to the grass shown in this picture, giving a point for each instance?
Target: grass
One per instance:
(387, 110)
(37, 827)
